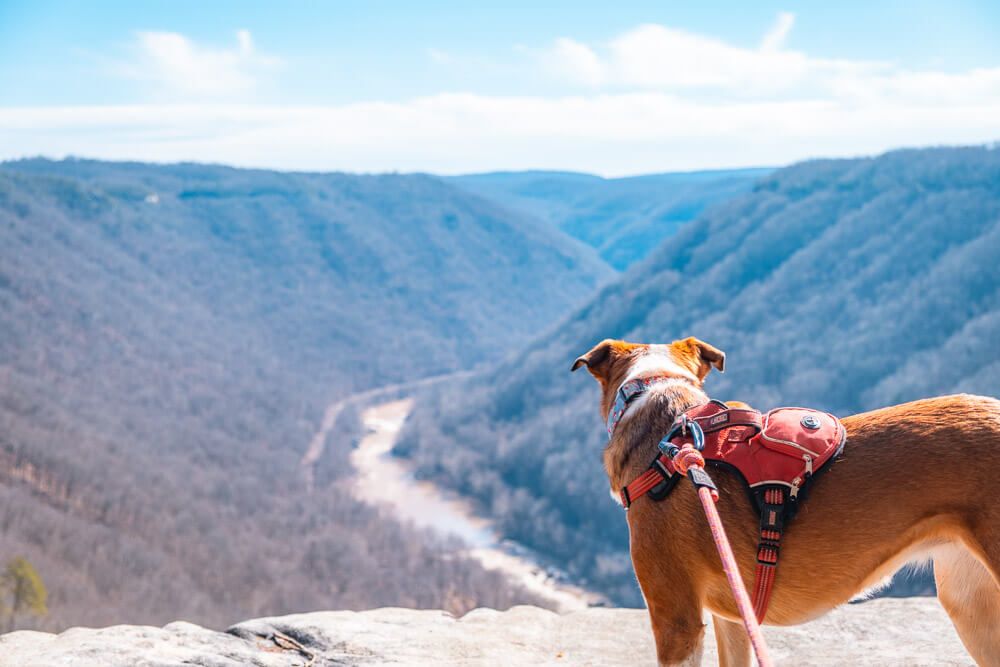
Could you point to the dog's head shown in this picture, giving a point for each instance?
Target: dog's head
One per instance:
(613, 362)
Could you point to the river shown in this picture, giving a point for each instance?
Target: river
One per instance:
(388, 482)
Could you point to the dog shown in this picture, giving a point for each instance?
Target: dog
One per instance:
(916, 481)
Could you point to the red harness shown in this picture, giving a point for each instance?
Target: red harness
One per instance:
(776, 454)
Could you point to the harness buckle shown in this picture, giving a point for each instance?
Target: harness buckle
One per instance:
(772, 510)
(666, 485)
(767, 554)
(772, 519)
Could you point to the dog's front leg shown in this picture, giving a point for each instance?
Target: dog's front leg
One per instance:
(670, 586)
(733, 642)
(677, 630)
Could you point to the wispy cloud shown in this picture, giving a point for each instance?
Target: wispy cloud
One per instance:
(171, 66)
(439, 56)
(774, 39)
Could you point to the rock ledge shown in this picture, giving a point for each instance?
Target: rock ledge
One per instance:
(883, 632)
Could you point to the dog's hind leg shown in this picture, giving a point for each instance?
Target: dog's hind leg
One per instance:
(969, 592)
(733, 642)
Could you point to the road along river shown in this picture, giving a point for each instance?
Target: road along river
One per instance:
(387, 481)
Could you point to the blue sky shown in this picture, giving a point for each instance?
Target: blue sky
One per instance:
(613, 88)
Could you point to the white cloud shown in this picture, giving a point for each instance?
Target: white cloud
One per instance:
(616, 134)
(660, 57)
(700, 68)
(569, 57)
(654, 98)
(171, 66)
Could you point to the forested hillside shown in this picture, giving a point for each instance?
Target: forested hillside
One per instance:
(844, 285)
(169, 337)
(624, 218)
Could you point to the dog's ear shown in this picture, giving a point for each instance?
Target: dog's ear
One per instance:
(704, 357)
(598, 359)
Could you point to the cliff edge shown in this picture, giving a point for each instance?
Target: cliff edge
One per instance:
(912, 631)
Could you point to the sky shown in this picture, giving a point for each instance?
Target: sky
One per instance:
(446, 87)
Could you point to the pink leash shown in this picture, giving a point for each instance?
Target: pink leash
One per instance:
(690, 459)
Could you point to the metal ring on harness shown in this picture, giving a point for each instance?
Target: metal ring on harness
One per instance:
(681, 427)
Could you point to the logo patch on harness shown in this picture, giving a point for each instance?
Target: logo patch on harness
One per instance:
(720, 418)
(810, 422)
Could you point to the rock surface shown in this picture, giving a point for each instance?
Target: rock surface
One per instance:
(882, 632)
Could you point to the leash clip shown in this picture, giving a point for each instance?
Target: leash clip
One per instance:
(681, 426)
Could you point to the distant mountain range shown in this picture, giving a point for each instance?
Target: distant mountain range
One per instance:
(624, 218)
(170, 337)
(840, 284)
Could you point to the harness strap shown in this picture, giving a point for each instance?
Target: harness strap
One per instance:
(656, 474)
(772, 519)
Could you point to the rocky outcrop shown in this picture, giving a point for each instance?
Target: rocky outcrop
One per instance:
(882, 632)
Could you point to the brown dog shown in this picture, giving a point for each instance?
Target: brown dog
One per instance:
(916, 481)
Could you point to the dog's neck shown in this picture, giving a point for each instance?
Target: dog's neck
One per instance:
(633, 443)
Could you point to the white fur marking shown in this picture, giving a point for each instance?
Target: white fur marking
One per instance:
(658, 359)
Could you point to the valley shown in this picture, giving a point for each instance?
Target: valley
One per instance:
(624, 219)
(192, 384)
